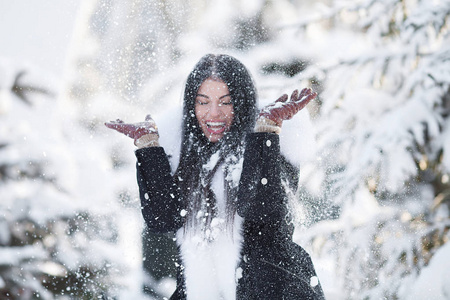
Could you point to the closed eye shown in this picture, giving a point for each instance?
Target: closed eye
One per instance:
(226, 100)
(202, 99)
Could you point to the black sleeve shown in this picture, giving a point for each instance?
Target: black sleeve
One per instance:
(274, 267)
(261, 197)
(160, 198)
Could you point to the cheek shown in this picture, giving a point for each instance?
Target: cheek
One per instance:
(229, 116)
(198, 113)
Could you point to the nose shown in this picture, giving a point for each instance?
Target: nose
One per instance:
(214, 110)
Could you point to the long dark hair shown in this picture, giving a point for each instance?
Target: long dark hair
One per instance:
(194, 180)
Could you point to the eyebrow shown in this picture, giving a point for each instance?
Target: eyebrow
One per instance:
(221, 97)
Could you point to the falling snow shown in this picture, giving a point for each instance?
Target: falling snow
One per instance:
(373, 148)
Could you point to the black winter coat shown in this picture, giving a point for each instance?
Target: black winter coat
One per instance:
(273, 266)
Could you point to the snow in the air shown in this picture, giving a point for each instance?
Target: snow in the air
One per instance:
(373, 148)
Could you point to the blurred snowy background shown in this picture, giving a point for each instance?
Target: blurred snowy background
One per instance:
(375, 161)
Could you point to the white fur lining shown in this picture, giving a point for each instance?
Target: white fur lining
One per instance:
(210, 258)
(210, 266)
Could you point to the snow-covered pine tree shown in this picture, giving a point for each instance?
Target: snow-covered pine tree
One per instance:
(58, 238)
(383, 140)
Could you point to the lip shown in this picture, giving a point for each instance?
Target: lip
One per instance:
(215, 127)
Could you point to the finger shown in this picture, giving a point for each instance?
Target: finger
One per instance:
(283, 98)
(115, 126)
(294, 95)
(309, 97)
(305, 92)
(305, 100)
(117, 121)
(110, 124)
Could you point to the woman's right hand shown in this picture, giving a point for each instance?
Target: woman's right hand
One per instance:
(285, 108)
(134, 130)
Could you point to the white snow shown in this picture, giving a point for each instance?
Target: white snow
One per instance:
(382, 71)
(432, 282)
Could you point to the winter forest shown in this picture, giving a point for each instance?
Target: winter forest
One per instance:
(375, 144)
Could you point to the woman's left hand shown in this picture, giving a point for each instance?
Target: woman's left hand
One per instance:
(284, 109)
(134, 130)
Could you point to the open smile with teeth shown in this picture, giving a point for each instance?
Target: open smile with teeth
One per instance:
(216, 127)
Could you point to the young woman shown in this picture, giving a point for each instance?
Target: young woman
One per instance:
(227, 201)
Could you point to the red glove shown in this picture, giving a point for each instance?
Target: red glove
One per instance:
(134, 130)
(284, 109)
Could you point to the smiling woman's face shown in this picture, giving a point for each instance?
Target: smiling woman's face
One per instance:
(213, 109)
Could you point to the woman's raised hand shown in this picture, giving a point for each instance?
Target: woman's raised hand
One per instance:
(134, 130)
(284, 109)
